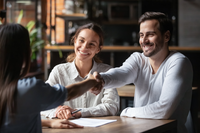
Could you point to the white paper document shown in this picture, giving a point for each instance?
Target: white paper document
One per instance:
(87, 122)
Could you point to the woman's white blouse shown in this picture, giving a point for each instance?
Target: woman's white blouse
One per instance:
(105, 103)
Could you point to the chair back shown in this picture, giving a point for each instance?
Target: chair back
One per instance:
(192, 118)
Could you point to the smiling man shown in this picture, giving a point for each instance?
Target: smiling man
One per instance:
(162, 78)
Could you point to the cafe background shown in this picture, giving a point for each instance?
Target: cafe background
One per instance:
(59, 20)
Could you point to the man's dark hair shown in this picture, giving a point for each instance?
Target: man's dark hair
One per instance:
(164, 22)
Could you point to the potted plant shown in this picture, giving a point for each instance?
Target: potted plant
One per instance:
(36, 42)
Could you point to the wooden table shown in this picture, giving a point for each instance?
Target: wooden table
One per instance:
(129, 91)
(124, 125)
(126, 91)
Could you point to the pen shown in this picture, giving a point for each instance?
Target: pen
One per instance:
(76, 111)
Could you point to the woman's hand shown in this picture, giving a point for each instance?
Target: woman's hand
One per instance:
(59, 124)
(77, 115)
(64, 112)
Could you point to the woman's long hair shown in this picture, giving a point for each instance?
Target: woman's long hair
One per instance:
(92, 26)
(14, 53)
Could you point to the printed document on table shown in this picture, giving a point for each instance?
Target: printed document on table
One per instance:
(87, 122)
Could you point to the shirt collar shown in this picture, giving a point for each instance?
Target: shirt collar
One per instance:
(94, 67)
(75, 72)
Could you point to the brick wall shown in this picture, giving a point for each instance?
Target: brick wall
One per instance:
(59, 22)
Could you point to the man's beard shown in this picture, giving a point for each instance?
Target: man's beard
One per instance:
(154, 51)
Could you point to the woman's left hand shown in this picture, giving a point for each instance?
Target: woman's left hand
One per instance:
(60, 124)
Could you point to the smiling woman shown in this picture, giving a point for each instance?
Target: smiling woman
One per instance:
(86, 46)
(92, 29)
(88, 42)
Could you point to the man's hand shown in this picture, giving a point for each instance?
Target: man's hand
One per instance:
(59, 124)
(97, 89)
(64, 112)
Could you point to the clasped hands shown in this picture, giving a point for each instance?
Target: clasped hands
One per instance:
(94, 83)
(65, 112)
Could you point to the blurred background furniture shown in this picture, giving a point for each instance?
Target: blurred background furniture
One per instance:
(192, 118)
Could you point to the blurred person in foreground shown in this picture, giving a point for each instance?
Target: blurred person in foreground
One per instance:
(22, 99)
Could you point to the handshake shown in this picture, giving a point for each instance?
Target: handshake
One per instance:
(94, 83)
(99, 85)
